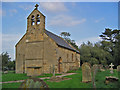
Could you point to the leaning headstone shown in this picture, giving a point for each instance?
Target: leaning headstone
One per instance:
(33, 83)
(86, 72)
(111, 79)
(111, 68)
(94, 70)
(5, 72)
(118, 68)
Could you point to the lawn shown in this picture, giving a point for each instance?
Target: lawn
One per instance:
(11, 76)
(75, 82)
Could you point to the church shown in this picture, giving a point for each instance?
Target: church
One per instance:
(39, 49)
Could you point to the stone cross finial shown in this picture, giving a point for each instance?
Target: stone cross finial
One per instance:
(36, 6)
(111, 65)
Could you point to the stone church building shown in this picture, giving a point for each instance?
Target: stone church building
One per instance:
(39, 49)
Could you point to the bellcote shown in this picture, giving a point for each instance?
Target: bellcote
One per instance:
(36, 21)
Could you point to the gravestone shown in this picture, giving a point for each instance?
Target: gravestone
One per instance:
(5, 72)
(33, 83)
(100, 67)
(94, 70)
(86, 72)
(111, 68)
(106, 67)
(118, 68)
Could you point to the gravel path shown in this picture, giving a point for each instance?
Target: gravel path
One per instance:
(67, 74)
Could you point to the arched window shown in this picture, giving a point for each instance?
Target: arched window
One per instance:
(38, 19)
(33, 20)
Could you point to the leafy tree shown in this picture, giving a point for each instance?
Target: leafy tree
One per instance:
(5, 60)
(66, 36)
(94, 54)
(11, 65)
(111, 43)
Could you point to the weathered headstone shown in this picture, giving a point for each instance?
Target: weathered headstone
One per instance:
(100, 67)
(86, 72)
(5, 72)
(33, 83)
(118, 68)
(106, 67)
(111, 79)
(94, 70)
(111, 68)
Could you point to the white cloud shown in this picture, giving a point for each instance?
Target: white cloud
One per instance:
(60, 0)
(53, 6)
(8, 43)
(2, 12)
(26, 7)
(64, 20)
(99, 20)
(91, 39)
(12, 12)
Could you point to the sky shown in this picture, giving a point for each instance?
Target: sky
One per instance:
(83, 20)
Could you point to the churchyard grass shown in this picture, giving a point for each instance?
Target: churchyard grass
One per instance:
(100, 78)
(11, 85)
(76, 81)
(11, 76)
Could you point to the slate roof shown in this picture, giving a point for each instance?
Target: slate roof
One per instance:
(59, 41)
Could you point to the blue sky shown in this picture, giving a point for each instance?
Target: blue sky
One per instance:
(83, 20)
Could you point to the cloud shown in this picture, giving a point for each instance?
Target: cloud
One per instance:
(8, 43)
(53, 6)
(12, 12)
(2, 12)
(26, 7)
(64, 20)
(91, 39)
(60, 0)
(99, 20)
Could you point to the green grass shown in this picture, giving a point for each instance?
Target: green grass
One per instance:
(11, 85)
(100, 78)
(76, 81)
(11, 76)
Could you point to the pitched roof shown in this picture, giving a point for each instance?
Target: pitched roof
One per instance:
(59, 41)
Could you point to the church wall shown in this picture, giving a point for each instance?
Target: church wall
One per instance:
(68, 58)
(20, 55)
(49, 54)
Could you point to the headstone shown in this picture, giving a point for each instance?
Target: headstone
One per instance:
(33, 83)
(118, 68)
(106, 67)
(94, 70)
(111, 68)
(86, 72)
(100, 67)
(111, 79)
(5, 72)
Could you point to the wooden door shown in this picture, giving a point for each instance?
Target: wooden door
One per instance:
(60, 65)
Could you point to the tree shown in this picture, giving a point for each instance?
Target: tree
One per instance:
(94, 54)
(5, 60)
(111, 43)
(65, 36)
